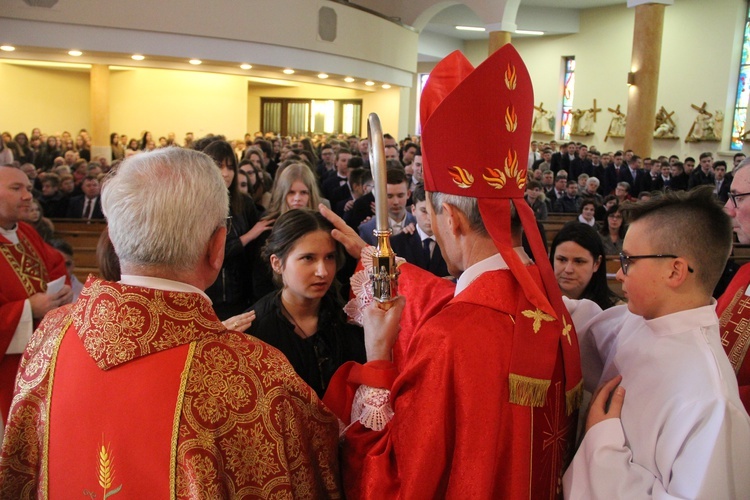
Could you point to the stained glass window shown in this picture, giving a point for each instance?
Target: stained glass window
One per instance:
(569, 83)
(739, 121)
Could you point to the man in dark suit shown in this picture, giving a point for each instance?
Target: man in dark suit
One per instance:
(632, 173)
(331, 187)
(88, 205)
(563, 159)
(420, 247)
(360, 183)
(558, 190)
(703, 174)
(722, 183)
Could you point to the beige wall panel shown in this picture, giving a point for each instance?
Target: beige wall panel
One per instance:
(51, 99)
(163, 101)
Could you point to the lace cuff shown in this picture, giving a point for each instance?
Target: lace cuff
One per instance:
(362, 286)
(372, 407)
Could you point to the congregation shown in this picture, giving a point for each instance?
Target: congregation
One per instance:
(279, 231)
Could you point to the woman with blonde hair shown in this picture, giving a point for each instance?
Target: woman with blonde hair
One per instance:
(295, 187)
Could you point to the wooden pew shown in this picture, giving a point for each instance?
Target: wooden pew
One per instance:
(83, 236)
(555, 222)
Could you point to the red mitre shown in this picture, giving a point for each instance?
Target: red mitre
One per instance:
(476, 129)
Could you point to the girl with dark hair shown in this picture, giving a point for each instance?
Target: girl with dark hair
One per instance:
(82, 147)
(118, 150)
(613, 231)
(145, 140)
(587, 212)
(27, 155)
(577, 256)
(304, 319)
(50, 151)
(231, 293)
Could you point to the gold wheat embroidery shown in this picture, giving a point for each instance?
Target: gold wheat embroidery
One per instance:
(107, 471)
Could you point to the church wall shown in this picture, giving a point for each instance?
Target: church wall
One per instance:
(700, 59)
(164, 101)
(53, 99)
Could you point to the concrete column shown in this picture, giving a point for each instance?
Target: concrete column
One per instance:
(497, 40)
(99, 93)
(642, 95)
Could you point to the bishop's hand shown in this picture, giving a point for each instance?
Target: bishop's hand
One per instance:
(381, 328)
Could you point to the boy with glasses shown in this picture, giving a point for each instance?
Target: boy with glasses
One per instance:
(682, 430)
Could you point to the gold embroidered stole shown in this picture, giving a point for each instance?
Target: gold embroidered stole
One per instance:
(27, 264)
(734, 325)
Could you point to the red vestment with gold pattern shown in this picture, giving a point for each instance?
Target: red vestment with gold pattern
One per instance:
(733, 310)
(454, 432)
(143, 393)
(25, 269)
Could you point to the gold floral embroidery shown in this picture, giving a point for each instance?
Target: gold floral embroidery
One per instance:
(250, 454)
(26, 264)
(223, 387)
(246, 391)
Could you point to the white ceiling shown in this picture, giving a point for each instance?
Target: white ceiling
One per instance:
(445, 21)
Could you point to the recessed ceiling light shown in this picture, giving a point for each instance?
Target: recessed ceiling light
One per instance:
(7, 48)
(386, 86)
(288, 71)
(348, 79)
(137, 57)
(75, 53)
(195, 62)
(529, 32)
(369, 83)
(470, 28)
(245, 66)
(322, 76)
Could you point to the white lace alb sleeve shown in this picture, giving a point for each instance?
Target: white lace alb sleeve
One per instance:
(372, 407)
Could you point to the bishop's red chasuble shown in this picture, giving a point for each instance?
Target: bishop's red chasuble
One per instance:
(733, 309)
(140, 393)
(454, 432)
(25, 269)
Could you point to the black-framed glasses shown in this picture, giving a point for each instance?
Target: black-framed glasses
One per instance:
(736, 197)
(626, 260)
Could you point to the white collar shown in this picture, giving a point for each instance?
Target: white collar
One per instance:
(160, 284)
(10, 234)
(492, 263)
(394, 222)
(682, 321)
(422, 235)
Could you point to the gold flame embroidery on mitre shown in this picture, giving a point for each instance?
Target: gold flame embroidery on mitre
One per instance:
(512, 170)
(461, 177)
(494, 178)
(510, 77)
(511, 119)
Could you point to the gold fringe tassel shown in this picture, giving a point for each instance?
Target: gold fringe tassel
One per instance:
(574, 398)
(527, 391)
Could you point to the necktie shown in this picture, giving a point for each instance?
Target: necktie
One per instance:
(426, 249)
(86, 209)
